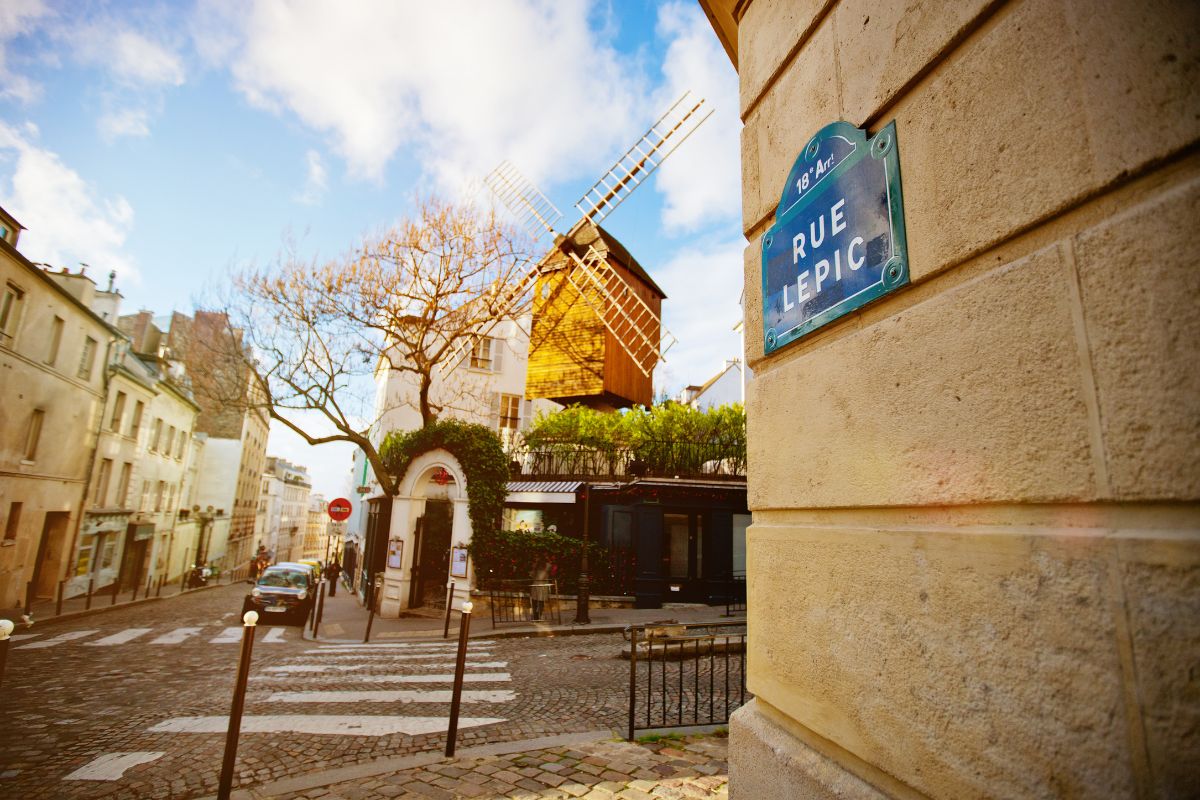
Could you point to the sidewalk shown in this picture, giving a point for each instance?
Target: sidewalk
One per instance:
(591, 766)
(345, 619)
(43, 610)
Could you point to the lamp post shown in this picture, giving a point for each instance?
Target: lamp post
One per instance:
(6, 629)
(582, 598)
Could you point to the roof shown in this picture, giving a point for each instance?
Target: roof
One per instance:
(586, 233)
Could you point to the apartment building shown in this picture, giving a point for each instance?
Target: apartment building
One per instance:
(53, 348)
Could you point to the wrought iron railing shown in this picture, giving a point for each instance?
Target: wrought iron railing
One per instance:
(517, 601)
(669, 459)
(683, 676)
(735, 598)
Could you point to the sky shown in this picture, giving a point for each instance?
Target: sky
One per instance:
(175, 143)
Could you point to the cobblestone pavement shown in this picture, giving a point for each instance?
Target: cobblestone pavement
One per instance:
(693, 767)
(122, 681)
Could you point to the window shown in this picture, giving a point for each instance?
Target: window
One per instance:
(13, 523)
(34, 434)
(510, 411)
(56, 332)
(83, 565)
(87, 358)
(171, 498)
(136, 424)
(160, 496)
(182, 443)
(156, 436)
(145, 504)
(114, 423)
(486, 355)
(100, 500)
(123, 485)
(10, 313)
(170, 441)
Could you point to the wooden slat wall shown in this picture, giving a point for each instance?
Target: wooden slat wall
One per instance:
(621, 376)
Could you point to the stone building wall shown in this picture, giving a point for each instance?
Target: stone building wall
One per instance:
(975, 558)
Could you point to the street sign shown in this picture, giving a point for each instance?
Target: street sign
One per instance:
(838, 239)
(339, 510)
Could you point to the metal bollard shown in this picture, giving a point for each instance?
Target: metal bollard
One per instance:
(225, 786)
(449, 606)
(116, 589)
(374, 600)
(59, 600)
(158, 591)
(135, 588)
(28, 597)
(460, 663)
(320, 610)
(91, 585)
(149, 586)
(6, 628)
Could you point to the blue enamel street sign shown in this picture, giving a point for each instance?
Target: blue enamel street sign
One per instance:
(838, 238)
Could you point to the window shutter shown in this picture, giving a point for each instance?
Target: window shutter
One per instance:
(497, 355)
(494, 400)
(526, 414)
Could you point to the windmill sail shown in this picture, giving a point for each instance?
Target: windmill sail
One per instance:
(533, 210)
(634, 325)
(647, 153)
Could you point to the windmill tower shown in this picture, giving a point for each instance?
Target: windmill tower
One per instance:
(597, 314)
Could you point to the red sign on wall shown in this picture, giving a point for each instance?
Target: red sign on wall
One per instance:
(339, 510)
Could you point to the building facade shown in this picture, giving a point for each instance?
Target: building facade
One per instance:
(53, 348)
(976, 540)
(284, 497)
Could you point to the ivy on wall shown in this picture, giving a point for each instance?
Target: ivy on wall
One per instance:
(477, 449)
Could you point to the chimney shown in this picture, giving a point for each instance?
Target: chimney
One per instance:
(112, 278)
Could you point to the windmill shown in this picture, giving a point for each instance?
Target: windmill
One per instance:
(597, 330)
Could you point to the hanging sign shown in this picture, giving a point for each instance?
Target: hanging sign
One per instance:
(838, 238)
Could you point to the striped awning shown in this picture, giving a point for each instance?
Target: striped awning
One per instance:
(542, 491)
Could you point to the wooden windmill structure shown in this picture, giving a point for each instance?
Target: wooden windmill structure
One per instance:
(597, 330)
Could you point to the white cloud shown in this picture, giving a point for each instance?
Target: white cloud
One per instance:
(136, 60)
(67, 220)
(316, 182)
(17, 18)
(463, 84)
(124, 122)
(703, 286)
(701, 182)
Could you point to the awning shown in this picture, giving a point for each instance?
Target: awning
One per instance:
(539, 492)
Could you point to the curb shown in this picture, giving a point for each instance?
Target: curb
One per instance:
(516, 633)
(100, 609)
(370, 769)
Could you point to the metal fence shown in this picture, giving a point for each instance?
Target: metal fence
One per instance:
(683, 676)
(735, 602)
(524, 601)
(660, 458)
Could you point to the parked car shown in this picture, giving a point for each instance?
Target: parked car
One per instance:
(282, 592)
(314, 567)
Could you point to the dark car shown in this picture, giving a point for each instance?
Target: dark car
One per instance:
(283, 593)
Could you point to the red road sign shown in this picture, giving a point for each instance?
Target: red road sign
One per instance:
(339, 510)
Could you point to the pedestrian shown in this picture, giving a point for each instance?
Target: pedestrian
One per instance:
(539, 588)
(331, 572)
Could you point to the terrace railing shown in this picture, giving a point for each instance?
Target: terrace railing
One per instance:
(669, 459)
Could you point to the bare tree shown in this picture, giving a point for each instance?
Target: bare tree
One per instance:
(410, 300)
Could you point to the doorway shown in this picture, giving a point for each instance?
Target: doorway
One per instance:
(431, 559)
(683, 556)
(50, 552)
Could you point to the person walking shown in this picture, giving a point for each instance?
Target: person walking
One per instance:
(332, 572)
(539, 588)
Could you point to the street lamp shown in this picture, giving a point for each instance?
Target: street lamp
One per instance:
(582, 596)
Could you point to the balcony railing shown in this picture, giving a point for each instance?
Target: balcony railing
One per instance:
(658, 459)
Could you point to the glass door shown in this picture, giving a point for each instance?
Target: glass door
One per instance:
(683, 556)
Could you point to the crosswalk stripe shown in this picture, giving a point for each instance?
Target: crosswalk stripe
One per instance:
(355, 725)
(274, 636)
(228, 636)
(310, 668)
(176, 636)
(406, 646)
(124, 636)
(394, 696)
(310, 656)
(57, 640)
(112, 766)
(470, 677)
(20, 637)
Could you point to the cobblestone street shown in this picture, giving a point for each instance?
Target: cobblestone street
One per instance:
(143, 680)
